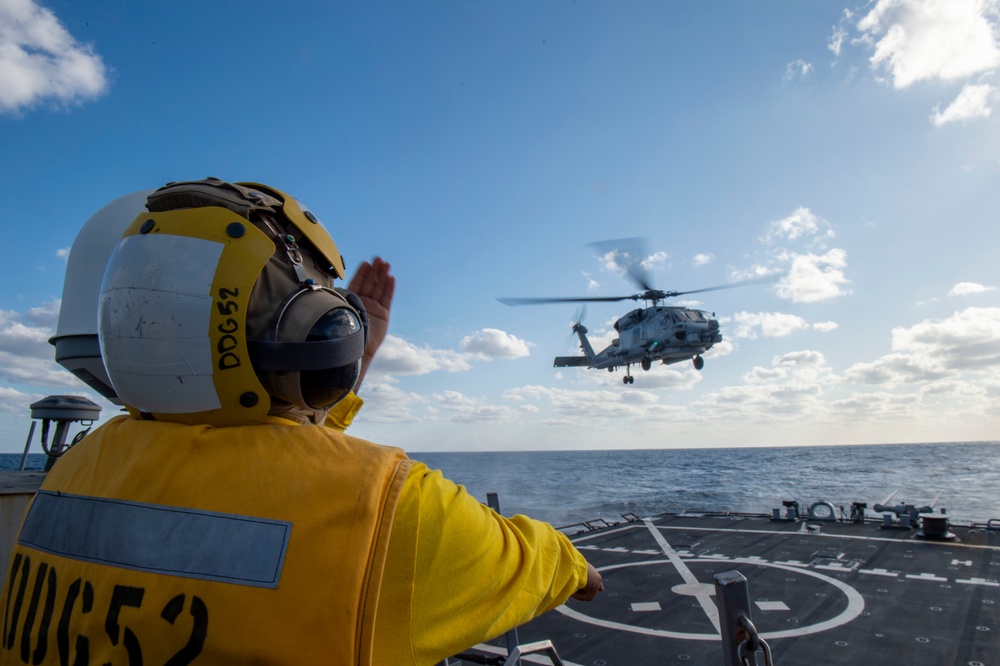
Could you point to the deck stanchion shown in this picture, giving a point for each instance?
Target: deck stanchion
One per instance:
(740, 641)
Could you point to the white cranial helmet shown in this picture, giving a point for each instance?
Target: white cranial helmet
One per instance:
(221, 298)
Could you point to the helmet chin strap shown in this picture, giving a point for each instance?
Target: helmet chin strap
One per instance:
(286, 410)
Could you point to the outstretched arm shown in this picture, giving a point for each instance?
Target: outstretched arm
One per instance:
(375, 287)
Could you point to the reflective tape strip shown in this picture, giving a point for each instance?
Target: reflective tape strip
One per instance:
(161, 539)
(154, 319)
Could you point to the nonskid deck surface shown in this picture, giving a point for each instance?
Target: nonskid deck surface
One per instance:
(820, 593)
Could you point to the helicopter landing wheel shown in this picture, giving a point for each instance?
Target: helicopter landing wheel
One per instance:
(625, 379)
(628, 379)
(646, 363)
(699, 362)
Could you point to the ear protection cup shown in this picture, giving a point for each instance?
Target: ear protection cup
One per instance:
(311, 354)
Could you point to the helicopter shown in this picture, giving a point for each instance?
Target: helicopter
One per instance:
(646, 335)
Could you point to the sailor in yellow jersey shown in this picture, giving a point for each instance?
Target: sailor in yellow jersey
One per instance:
(228, 518)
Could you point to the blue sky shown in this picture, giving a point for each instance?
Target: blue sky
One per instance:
(480, 146)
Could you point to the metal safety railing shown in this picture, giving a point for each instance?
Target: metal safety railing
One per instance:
(740, 640)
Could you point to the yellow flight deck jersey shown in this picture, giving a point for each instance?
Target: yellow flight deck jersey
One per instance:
(160, 543)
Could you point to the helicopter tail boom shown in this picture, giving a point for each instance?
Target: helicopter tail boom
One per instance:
(585, 361)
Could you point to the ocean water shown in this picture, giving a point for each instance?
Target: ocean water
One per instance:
(568, 487)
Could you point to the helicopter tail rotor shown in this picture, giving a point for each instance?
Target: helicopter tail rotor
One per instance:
(581, 314)
(576, 326)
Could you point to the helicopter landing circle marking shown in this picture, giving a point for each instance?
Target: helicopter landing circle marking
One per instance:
(855, 605)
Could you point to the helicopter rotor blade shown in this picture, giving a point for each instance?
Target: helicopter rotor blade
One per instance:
(631, 249)
(538, 301)
(731, 285)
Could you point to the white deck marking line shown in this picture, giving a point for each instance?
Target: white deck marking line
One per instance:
(855, 606)
(835, 567)
(535, 659)
(878, 572)
(927, 576)
(977, 581)
(703, 597)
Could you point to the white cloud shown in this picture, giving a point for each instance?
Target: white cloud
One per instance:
(836, 41)
(967, 288)
(876, 406)
(654, 260)
(701, 259)
(826, 326)
(791, 389)
(40, 60)
(802, 223)
(973, 102)
(385, 403)
(22, 339)
(397, 356)
(491, 343)
(895, 369)
(627, 256)
(797, 69)
(598, 405)
(918, 40)
(464, 409)
(26, 357)
(63, 253)
(720, 349)
(768, 324)
(615, 261)
(400, 357)
(13, 401)
(968, 341)
(46, 316)
(43, 373)
(812, 277)
(798, 369)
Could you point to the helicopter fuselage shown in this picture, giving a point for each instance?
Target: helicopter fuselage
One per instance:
(646, 335)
